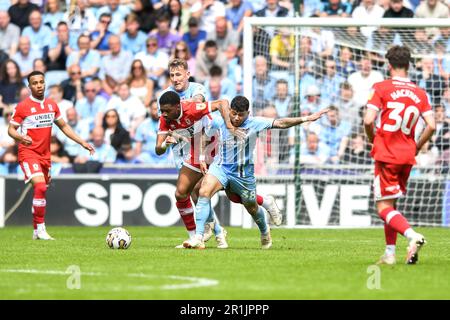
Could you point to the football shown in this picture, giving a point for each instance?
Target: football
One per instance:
(118, 238)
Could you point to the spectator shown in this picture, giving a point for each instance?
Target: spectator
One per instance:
(115, 134)
(5, 140)
(446, 103)
(432, 9)
(90, 106)
(20, 13)
(9, 159)
(58, 153)
(398, 10)
(81, 20)
(194, 37)
(38, 33)
(261, 42)
(214, 90)
(271, 10)
(441, 138)
(56, 94)
(357, 151)
(363, 80)
(313, 151)
(73, 87)
(312, 60)
(441, 60)
(53, 14)
(131, 110)
(207, 12)
(10, 82)
(59, 50)
(175, 11)
(133, 39)
(444, 36)
(433, 84)
(336, 8)
(282, 50)
(223, 35)
(335, 134)
(100, 37)
(282, 100)
(104, 154)
(115, 66)
(9, 34)
(235, 69)
(140, 85)
(345, 64)
(182, 52)
(167, 39)
(348, 106)
(313, 101)
(117, 12)
(420, 44)
(228, 87)
(235, 13)
(80, 126)
(309, 8)
(145, 138)
(207, 58)
(263, 85)
(331, 82)
(146, 15)
(306, 79)
(88, 59)
(154, 60)
(368, 10)
(25, 56)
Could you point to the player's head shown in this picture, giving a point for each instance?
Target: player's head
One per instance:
(36, 83)
(239, 110)
(398, 58)
(169, 104)
(179, 74)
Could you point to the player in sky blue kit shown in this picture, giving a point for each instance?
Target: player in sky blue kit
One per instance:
(233, 168)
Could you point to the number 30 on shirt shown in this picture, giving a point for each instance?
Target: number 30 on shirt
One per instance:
(405, 122)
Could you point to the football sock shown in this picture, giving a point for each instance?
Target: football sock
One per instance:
(410, 234)
(390, 250)
(39, 204)
(390, 235)
(202, 213)
(212, 218)
(395, 220)
(187, 213)
(260, 220)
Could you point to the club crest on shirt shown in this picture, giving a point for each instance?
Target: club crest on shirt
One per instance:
(33, 110)
(50, 107)
(188, 122)
(200, 106)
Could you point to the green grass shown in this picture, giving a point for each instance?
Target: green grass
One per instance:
(302, 264)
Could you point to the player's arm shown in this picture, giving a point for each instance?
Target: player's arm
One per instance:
(427, 132)
(67, 130)
(163, 141)
(197, 98)
(369, 123)
(12, 132)
(224, 108)
(284, 123)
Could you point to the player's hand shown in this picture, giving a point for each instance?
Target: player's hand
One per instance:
(26, 140)
(317, 115)
(170, 140)
(89, 148)
(203, 167)
(240, 133)
(178, 137)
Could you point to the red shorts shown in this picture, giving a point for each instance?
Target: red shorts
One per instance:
(32, 167)
(390, 180)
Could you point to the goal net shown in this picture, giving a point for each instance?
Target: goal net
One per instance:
(322, 173)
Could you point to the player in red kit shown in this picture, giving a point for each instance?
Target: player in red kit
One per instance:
(31, 126)
(399, 103)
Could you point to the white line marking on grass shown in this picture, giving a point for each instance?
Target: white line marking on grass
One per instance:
(193, 282)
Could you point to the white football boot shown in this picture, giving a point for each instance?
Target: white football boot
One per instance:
(222, 240)
(275, 215)
(414, 246)
(196, 242)
(41, 235)
(209, 227)
(266, 239)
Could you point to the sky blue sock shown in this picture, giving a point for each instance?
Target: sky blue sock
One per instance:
(217, 226)
(202, 212)
(260, 219)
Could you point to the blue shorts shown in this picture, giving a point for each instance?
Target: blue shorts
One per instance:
(245, 187)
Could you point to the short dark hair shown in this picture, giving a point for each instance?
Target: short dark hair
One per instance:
(399, 57)
(169, 97)
(210, 44)
(105, 14)
(282, 81)
(35, 73)
(240, 104)
(215, 71)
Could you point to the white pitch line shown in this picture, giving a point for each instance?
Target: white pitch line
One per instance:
(194, 281)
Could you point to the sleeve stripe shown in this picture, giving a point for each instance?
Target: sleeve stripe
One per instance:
(209, 106)
(374, 107)
(163, 132)
(426, 113)
(13, 122)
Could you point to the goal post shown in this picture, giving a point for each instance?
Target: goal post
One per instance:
(322, 174)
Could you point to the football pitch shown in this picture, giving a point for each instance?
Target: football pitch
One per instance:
(302, 264)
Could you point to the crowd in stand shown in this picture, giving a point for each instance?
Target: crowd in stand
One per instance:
(106, 62)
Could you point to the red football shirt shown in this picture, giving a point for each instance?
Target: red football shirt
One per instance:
(35, 119)
(401, 103)
(188, 125)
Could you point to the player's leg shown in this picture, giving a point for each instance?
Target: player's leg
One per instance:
(210, 186)
(267, 202)
(390, 184)
(37, 174)
(187, 179)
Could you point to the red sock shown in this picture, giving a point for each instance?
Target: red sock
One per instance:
(390, 235)
(187, 213)
(395, 220)
(39, 203)
(237, 199)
